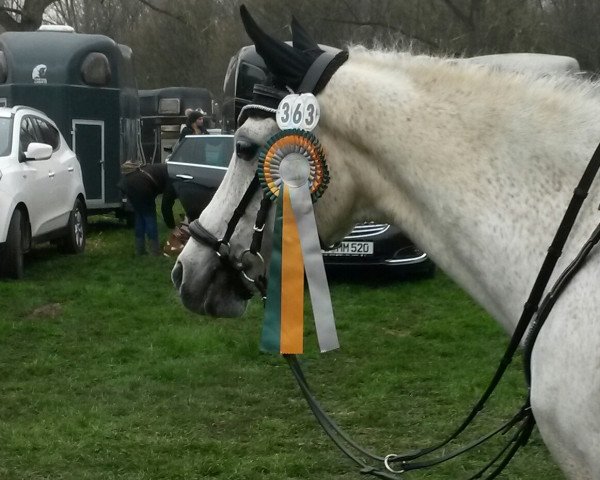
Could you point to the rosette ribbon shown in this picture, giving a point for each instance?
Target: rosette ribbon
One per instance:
(293, 173)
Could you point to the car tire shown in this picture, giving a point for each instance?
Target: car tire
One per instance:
(75, 239)
(11, 262)
(430, 271)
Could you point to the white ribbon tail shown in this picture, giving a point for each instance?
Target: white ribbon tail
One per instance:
(315, 269)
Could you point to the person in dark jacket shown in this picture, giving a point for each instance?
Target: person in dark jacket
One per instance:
(194, 125)
(141, 187)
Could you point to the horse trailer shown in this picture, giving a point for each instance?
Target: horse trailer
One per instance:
(162, 113)
(86, 84)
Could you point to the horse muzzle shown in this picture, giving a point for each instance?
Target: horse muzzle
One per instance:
(220, 294)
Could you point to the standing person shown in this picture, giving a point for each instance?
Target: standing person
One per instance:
(194, 125)
(141, 187)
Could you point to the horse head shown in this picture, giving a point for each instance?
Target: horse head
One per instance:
(208, 284)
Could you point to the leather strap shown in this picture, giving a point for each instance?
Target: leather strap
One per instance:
(316, 71)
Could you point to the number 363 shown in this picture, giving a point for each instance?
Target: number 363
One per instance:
(298, 111)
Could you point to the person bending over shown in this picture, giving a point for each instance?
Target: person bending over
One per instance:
(141, 187)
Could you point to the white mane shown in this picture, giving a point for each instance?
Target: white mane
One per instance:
(436, 67)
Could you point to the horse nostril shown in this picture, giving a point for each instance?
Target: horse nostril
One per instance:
(177, 275)
(245, 150)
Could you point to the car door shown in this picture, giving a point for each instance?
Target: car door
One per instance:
(63, 161)
(202, 159)
(38, 186)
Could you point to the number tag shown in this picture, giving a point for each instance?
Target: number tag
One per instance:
(284, 112)
(312, 112)
(298, 111)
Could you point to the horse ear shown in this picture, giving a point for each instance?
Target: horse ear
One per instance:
(300, 37)
(287, 64)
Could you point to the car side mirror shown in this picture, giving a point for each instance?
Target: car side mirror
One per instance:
(168, 149)
(38, 151)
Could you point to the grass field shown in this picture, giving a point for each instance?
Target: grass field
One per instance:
(104, 375)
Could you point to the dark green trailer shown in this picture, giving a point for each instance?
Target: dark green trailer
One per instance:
(86, 84)
(162, 113)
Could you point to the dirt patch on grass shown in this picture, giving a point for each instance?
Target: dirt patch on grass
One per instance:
(47, 312)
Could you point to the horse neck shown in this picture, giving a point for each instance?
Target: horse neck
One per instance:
(477, 167)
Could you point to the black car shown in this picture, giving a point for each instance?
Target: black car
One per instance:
(379, 246)
(197, 167)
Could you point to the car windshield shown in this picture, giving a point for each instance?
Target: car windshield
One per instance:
(215, 151)
(5, 136)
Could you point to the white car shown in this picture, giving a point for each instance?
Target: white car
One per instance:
(42, 197)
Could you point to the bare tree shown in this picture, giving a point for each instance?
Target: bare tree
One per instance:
(189, 42)
(108, 17)
(22, 15)
(573, 29)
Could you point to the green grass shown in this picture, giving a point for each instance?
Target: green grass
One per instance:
(104, 375)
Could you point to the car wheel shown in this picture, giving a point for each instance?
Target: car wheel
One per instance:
(11, 262)
(74, 240)
(430, 270)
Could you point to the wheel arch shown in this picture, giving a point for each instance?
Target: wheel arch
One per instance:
(27, 224)
(81, 198)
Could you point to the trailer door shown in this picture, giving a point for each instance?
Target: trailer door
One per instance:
(88, 144)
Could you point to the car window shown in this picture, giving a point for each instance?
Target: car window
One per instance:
(5, 136)
(204, 150)
(28, 133)
(49, 134)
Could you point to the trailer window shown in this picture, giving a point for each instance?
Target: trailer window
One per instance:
(168, 106)
(3, 68)
(248, 76)
(95, 69)
(229, 83)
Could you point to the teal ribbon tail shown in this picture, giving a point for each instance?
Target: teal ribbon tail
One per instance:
(316, 277)
(271, 334)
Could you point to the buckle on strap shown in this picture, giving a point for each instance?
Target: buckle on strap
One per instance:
(252, 265)
(222, 248)
(386, 462)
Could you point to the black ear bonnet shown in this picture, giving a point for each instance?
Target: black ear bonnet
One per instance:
(302, 68)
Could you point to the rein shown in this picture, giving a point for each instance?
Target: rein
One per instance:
(533, 316)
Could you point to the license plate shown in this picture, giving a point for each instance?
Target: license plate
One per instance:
(352, 248)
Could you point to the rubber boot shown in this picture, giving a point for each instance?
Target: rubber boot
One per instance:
(155, 248)
(140, 246)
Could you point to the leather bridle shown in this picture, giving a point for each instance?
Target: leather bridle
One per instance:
(250, 265)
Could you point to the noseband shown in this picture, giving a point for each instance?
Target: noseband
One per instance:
(250, 264)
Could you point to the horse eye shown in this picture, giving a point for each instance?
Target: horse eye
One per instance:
(245, 149)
